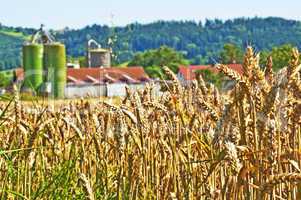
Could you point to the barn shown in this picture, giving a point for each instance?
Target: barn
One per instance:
(96, 82)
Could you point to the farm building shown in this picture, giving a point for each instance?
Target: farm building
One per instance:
(188, 73)
(97, 56)
(95, 82)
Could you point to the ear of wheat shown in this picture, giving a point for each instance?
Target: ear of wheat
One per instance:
(192, 142)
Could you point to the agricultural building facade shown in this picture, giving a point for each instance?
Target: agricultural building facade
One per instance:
(96, 82)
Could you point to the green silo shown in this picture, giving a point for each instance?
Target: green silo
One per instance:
(33, 65)
(55, 66)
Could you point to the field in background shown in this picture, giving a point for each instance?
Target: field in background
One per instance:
(189, 143)
(16, 34)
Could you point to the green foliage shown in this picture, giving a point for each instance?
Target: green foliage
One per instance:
(155, 72)
(5, 78)
(231, 53)
(210, 77)
(11, 40)
(60, 184)
(82, 61)
(10, 51)
(197, 40)
(200, 43)
(164, 56)
(281, 56)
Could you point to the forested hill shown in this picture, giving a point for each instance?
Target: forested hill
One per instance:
(199, 42)
(11, 40)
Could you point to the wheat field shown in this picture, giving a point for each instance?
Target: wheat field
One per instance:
(190, 143)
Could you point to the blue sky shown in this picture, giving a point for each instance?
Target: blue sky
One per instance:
(58, 14)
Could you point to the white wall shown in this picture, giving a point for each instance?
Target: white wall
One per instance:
(116, 89)
(74, 91)
(109, 90)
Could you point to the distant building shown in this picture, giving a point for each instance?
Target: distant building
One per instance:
(97, 56)
(188, 73)
(96, 82)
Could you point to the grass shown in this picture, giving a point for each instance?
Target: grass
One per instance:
(15, 34)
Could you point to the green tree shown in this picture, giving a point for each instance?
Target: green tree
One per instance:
(231, 54)
(4, 79)
(281, 56)
(82, 62)
(164, 56)
(155, 72)
(196, 39)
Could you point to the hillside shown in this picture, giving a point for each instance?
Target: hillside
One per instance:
(9, 50)
(199, 42)
(11, 40)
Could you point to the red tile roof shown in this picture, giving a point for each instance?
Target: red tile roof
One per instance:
(101, 75)
(188, 73)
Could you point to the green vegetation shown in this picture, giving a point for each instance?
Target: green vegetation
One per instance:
(200, 43)
(5, 78)
(11, 40)
(280, 55)
(16, 34)
(231, 54)
(10, 51)
(152, 59)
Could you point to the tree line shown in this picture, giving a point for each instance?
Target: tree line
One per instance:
(199, 43)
